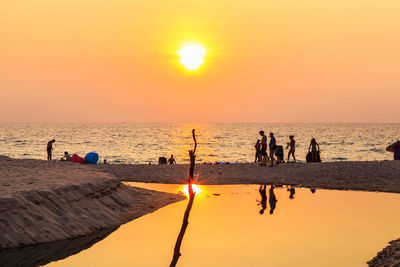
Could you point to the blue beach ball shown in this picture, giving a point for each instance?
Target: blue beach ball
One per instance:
(92, 158)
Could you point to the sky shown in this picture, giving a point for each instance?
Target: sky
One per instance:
(266, 61)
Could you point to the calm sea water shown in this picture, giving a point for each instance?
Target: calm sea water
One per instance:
(144, 143)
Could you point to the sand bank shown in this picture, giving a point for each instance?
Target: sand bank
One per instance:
(49, 201)
(371, 176)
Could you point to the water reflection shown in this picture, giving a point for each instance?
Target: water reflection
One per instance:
(292, 192)
(331, 228)
(263, 194)
(44, 253)
(272, 199)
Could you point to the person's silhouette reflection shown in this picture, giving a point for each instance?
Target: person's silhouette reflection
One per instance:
(292, 192)
(313, 190)
(272, 199)
(263, 194)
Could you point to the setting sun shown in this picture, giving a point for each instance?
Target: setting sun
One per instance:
(192, 56)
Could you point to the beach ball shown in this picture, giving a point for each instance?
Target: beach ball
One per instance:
(92, 158)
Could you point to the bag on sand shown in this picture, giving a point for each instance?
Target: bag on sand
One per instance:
(76, 159)
(309, 157)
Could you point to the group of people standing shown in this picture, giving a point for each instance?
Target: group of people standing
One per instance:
(263, 158)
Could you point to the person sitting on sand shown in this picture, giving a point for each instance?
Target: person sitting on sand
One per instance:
(395, 148)
(257, 146)
(314, 149)
(67, 157)
(50, 149)
(263, 194)
(162, 160)
(292, 145)
(263, 151)
(171, 160)
(272, 147)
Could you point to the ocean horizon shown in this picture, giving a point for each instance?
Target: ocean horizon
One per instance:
(144, 143)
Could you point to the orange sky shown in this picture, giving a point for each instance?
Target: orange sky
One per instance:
(267, 61)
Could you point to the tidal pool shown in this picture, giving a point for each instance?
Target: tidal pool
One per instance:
(324, 228)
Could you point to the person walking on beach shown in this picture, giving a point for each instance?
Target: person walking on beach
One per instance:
(171, 160)
(263, 151)
(257, 146)
(314, 149)
(50, 149)
(395, 148)
(263, 194)
(292, 145)
(272, 147)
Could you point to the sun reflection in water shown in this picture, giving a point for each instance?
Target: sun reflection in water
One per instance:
(196, 189)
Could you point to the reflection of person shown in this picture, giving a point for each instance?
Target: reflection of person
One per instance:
(312, 190)
(263, 151)
(263, 194)
(292, 192)
(50, 149)
(314, 151)
(292, 145)
(395, 148)
(67, 157)
(272, 147)
(272, 199)
(171, 160)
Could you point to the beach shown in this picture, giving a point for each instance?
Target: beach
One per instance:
(51, 201)
(367, 175)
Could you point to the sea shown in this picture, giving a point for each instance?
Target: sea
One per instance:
(144, 143)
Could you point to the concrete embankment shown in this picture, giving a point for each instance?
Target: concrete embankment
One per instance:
(49, 201)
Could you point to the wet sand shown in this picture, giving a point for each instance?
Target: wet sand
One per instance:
(44, 201)
(368, 176)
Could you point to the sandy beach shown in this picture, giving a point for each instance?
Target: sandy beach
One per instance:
(367, 175)
(52, 201)
(49, 201)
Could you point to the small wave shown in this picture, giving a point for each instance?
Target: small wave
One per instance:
(339, 158)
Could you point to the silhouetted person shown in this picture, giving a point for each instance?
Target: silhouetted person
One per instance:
(272, 147)
(292, 192)
(67, 157)
(263, 194)
(272, 199)
(395, 148)
(50, 149)
(171, 160)
(314, 149)
(263, 151)
(258, 157)
(292, 145)
(162, 160)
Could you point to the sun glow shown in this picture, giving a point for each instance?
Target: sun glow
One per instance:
(192, 56)
(196, 189)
